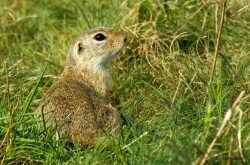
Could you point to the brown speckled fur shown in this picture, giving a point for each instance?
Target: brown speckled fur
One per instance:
(79, 98)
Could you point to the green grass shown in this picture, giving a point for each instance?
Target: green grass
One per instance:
(171, 114)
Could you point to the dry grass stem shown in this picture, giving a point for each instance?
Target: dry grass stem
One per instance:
(9, 101)
(230, 145)
(177, 90)
(224, 123)
(239, 135)
(217, 42)
(4, 139)
(141, 136)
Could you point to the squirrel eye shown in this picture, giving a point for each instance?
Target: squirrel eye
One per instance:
(100, 37)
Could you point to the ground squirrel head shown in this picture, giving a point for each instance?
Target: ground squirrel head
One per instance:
(94, 49)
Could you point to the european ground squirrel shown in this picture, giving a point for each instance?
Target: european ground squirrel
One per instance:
(79, 99)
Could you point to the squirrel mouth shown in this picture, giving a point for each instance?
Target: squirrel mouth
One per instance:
(108, 57)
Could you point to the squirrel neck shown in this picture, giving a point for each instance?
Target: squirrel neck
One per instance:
(97, 79)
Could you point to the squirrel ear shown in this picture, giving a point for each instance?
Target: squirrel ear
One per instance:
(79, 47)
